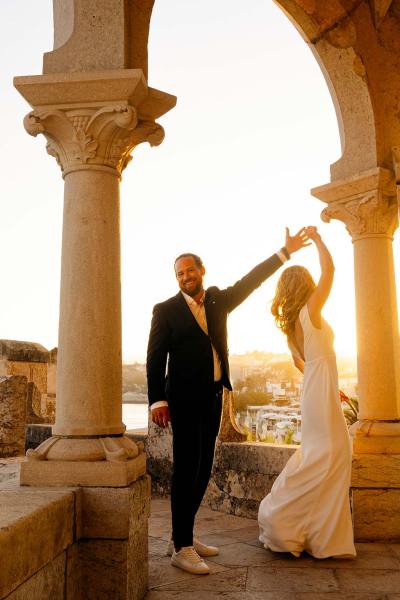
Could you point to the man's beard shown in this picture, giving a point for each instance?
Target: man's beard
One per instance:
(193, 292)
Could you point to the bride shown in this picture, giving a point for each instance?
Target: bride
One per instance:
(308, 507)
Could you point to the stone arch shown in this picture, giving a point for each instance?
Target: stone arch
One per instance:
(331, 36)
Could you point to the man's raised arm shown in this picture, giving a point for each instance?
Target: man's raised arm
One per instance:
(237, 293)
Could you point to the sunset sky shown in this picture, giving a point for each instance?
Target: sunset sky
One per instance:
(253, 130)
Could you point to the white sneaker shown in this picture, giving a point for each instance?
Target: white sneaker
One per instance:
(201, 549)
(188, 560)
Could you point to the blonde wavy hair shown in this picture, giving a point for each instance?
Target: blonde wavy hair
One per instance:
(293, 289)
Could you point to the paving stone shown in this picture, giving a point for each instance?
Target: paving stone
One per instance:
(215, 539)
(247, 534)
(229, 580)
(221, 523)
(298, 579)
(205, 512)
(375, 547)
(160, 505)
(242, 555)
(366, 580)
(339, 596)
(157, 547)
(366, 559)
(256, 543)
(161, 572)
(393, 548)
(217, 595)
(162, 514)
(160, 528)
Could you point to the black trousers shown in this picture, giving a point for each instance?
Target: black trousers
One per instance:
(195, 426)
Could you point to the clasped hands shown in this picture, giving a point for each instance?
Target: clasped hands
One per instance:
(300, 239)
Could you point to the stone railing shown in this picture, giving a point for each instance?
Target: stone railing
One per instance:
(64, 544)
(243, 472)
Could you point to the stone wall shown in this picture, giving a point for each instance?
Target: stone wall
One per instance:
(74, 544)
(243, 472)
(39, 366)
(243, 475)
(13, 393)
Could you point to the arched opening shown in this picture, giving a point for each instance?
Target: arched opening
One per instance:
(253, 132)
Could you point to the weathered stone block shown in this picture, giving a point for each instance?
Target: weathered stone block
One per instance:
(159, 458)
(115, 568)
(102, 566)
(113, 512)
(34, 405)
(46, 584)
(243, 474)
(376, 470)
(73, 589)
(35, 527)
(376, 514)
(104, 570)
(15, 350)
(13, 391)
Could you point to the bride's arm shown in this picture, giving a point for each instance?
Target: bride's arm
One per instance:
(298, 362)
(320, 294)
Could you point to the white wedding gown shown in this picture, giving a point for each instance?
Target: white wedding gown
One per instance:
(308, 507)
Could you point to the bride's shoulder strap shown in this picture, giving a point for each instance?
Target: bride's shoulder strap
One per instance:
(304, 316)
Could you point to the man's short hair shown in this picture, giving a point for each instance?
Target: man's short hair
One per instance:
(197, 259)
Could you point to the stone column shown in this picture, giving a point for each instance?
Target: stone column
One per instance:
(92, 122)
(367, 204)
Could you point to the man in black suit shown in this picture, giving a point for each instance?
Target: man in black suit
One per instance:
(189, 330)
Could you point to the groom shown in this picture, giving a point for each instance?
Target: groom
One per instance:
(189, 331)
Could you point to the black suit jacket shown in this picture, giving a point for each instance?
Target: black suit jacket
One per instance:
(175, 335)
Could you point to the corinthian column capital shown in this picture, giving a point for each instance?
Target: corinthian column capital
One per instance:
(365, 203)
(94, 121)
(87, 138)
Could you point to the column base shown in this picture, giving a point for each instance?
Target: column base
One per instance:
(82, 473)
(376, 437)
(101, 461)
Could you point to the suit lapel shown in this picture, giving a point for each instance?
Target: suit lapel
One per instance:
(208, 305)
(187, 313)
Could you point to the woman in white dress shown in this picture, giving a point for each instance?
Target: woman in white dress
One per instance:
(308, 507)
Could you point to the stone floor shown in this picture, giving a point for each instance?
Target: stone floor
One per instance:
(245, 571)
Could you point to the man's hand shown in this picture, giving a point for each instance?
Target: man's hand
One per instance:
(296, 242)
(160, 416)
(313, 234)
